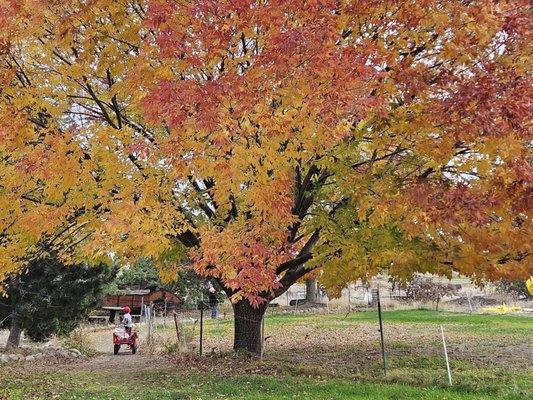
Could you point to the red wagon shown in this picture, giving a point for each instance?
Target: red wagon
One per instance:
(120, 337)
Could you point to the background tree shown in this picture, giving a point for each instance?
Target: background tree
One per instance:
(311, 290)
(51, 298)
(272, 138)
(426, 289)
(143, 274)
(514, 288)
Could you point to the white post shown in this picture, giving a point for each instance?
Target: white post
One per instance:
(153, 316)
(165, 315)
(148, 317)
(469, 302)
(446, 356)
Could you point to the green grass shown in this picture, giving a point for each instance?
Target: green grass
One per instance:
(473, 323)
(470, 323)
(424, 370)
(168, 385)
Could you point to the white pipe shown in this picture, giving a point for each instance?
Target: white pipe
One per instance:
(446, 356)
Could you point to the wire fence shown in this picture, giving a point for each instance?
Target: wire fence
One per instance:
(209, 330)
(293, 329)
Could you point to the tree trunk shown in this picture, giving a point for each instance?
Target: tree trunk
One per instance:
(310, 290)
(15, 331)
(248, 324)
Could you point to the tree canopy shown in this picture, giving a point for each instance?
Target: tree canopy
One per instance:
(269, 138)
(143, 274)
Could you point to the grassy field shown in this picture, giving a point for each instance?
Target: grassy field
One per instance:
(329, 356)
(474, 323)
(166, 385)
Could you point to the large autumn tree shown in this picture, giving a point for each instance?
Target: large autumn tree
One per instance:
(270, 138)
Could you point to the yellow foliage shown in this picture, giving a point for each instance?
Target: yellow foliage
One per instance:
(529, 285)
(500, 310)
(260, 136)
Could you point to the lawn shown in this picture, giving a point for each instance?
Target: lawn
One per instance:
(320, 356)
(477, 322)
(167, 385)
(473, 323)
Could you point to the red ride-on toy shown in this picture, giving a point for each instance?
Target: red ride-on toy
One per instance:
(120, 337)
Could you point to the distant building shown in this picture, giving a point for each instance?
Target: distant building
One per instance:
(161, 300)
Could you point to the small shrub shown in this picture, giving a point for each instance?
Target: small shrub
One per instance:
(425, 289)
(171, 347)
(79, 340)
(517, 289)
(164, 340)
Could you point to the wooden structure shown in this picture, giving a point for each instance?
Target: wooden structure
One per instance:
(130, 298)
(161, 300)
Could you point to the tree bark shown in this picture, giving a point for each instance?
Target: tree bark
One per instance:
(248, 320)
(310, 290)
(248, 325)
(15, 331)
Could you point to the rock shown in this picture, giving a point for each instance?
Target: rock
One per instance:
(29, 358)
(64, 353)
(4, 358)
(49, 349)
(75, 351)
(38, 355)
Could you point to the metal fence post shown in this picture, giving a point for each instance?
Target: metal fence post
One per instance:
(381, 335)
(262, 336)
(201, 326)
(176, 325)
